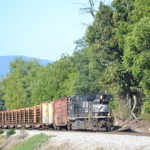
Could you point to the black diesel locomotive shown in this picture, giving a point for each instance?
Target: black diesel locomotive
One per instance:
(90, 112)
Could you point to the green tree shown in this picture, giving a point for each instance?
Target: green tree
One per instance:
(2, 102)
(17, 84)
(137, 55)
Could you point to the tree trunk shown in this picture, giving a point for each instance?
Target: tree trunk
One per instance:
(133, 108)
(129, 101)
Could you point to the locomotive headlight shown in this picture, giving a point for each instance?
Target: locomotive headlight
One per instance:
(108, 114)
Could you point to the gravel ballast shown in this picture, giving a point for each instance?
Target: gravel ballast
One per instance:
(92, 141)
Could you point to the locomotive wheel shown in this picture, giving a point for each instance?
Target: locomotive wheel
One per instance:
(108, 125)
(108, 128)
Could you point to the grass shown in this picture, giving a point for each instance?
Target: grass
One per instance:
(1, 137)
(1, 131)
(32, 142)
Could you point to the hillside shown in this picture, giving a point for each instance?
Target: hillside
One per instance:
(6, 60)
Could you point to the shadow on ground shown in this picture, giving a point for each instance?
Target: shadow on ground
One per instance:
(120, 129)
(127, 130)
(116, 128)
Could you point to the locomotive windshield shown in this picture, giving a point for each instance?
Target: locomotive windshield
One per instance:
(98, 101)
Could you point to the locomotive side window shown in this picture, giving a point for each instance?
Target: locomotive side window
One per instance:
(104, 102)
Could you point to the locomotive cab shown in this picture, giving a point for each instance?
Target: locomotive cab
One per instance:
(101, 107)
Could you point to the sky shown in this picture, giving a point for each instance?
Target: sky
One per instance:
(43, 29)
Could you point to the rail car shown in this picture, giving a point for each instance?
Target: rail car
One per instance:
(79, 112)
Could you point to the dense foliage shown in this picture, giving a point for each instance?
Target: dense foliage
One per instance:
(112, 57)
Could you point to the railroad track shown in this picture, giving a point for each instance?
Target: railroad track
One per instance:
(128, 132)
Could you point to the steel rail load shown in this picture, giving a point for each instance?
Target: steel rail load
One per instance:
(79, 112)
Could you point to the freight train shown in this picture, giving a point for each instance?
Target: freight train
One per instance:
(79, 112)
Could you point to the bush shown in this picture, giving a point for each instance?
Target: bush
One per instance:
(1, 131)
(10, 132)
(122, 112)
(146, 108)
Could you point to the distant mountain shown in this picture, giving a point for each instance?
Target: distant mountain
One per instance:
(6, 60)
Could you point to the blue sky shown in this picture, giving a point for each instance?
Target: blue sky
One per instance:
(41, 28)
